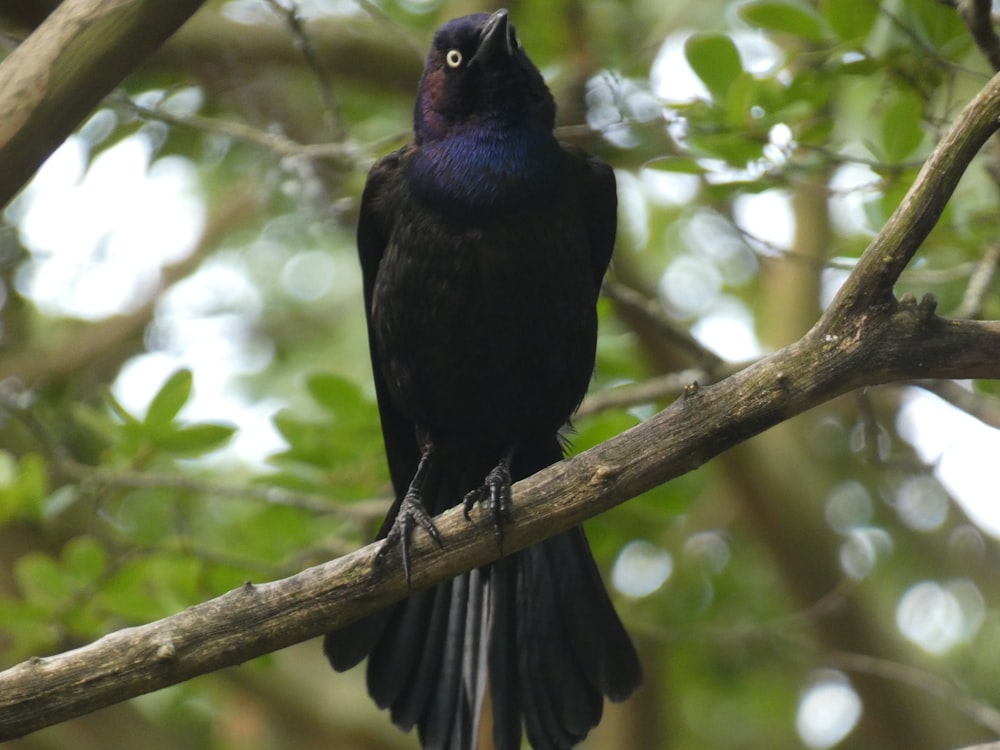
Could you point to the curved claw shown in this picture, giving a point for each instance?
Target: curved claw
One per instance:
(496, 495)
(412, 513)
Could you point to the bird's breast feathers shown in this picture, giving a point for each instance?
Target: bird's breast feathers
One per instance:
(479, 168)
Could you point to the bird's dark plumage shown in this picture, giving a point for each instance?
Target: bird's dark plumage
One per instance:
(483, 246)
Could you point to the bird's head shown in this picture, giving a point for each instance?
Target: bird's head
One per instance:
(478, 75)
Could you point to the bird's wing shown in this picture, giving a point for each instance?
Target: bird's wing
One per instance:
(374, 233)
(599, 196)
(349, 645)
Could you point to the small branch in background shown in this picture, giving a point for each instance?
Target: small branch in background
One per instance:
(360, 510)
(919, 41)
(874, 441)
(979, 405)
(639, 394)
(279, 144)
(386, 21)
(111, 341)
(16, 401)
(982, 713)
(303, 42)
(871, 427)
(831, 602)
(982, 277)
(979, 19)
(767, 250)
(652, 312)
(978, 16)
(994, 16)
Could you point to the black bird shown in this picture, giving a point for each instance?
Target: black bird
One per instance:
(483, 245)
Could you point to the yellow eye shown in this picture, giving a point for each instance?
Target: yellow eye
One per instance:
(453, 58)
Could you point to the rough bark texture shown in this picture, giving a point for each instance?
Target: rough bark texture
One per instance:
(71, 61)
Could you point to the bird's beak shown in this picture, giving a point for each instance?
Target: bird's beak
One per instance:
(494, 38)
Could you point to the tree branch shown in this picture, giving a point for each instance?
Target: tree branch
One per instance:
(942, 689)
(254, 620)
(303, 42)
(52, 81)
(980, 280)
(978, 405)
(978, 16)
(660, 388)
(870, 284)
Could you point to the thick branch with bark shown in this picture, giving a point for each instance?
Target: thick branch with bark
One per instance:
(865, 338)
(254, 620)
(71, 61)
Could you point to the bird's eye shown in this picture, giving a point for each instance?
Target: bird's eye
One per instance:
(453, 58)
(515, 41)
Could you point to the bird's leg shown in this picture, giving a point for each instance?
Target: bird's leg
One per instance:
(411, 513)
(495, 494)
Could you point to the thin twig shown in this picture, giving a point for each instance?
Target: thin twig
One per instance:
(980, 712)
(983, 407)
(304, 43)
(362, 510)
(982, 277)
(649, 309)
(638, 394)
(994, 16)
(279, 144)
(386, 21)
(977, 15)
(114, 337)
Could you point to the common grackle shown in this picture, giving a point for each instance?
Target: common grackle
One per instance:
(482, 246)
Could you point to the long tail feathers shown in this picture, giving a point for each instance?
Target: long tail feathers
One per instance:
(536, 630)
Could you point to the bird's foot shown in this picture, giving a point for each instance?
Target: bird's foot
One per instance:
(412, 513)
(495, 495)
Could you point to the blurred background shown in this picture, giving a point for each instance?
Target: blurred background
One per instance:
(185, 395)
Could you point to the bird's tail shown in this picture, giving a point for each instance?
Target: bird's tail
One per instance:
(536, 630)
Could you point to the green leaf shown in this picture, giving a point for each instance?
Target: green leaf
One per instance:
(715, 60)
(308, 442)
(937, 25)
(39, 579)
(334, 393)
(784, 17)
(23, 486)
(194, 439)
(851, 20)
(170, 399)
(149, 588)
(27, 628)
(84, 560)
(815, 132)
(733, 148)
(901, 126)
(600, 427)
(740, 99)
